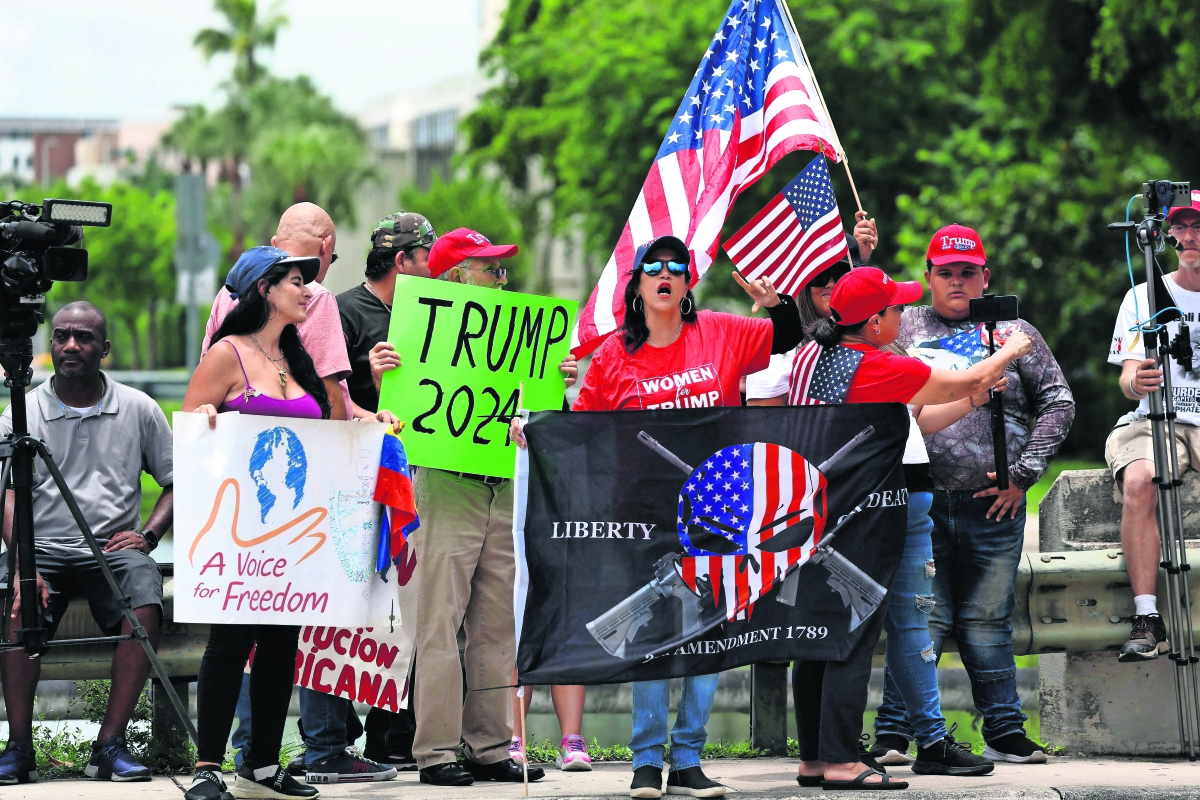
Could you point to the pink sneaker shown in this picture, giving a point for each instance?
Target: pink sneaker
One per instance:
(573, 755)
(516, 751)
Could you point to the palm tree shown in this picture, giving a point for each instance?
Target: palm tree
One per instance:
(246, 34)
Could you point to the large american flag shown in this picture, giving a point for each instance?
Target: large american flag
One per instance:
(797, 235)
(752, 101)
(821, 376)
(745, 494)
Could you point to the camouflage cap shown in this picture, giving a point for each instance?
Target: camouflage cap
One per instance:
(403, 230)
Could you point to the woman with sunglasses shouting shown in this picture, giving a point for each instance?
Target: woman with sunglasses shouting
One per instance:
(668, 355)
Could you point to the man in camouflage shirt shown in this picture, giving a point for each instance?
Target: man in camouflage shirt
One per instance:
(979, 531)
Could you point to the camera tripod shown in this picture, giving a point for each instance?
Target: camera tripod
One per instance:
(1167, 478)
(17, 452)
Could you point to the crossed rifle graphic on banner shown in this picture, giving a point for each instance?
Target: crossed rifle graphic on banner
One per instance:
(724, 548)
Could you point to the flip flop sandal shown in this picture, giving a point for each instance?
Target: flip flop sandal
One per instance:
(858, 783)
(809, 780)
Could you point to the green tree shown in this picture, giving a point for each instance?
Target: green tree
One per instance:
(283, 133)
(1032, 120)
(245, 36)
(130, 272)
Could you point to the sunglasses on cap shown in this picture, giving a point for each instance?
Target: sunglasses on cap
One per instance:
(654, 268)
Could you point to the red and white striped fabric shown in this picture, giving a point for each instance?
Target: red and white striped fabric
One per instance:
(785, 483)
(753, 100)
(797, 236)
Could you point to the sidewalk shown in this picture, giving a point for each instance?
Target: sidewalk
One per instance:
(1061, 779)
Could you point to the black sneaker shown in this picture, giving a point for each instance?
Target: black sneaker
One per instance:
(18, 764)
(1016, 748)
(207, 785)
(890, 749)
(1148, 640)
(269, 782)
(647, 782)
(112, 761)
(347, 768)
(693, 783)
(296, 767)
(948, 757)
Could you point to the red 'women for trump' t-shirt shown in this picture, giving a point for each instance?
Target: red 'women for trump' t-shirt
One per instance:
(700, 369)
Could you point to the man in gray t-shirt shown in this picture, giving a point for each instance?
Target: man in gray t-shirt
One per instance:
(102, 435)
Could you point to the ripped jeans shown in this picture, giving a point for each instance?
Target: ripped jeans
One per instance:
(977, 560)
(911, 662)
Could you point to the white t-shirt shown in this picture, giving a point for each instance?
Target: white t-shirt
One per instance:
(914, 448)
(1128, 345)
(773, 381)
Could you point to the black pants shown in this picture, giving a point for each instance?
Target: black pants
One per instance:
(220, 681)
(831, 697)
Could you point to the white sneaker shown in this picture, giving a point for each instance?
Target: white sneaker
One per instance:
(516, 751)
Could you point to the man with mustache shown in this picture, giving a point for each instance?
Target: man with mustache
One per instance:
(1129, 450)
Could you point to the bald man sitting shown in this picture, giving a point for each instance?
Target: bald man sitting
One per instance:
(306, 230)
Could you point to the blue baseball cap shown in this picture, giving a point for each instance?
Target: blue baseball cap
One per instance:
(672, 243)
(255, 262)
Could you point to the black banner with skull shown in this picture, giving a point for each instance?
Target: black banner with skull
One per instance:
(654, 544)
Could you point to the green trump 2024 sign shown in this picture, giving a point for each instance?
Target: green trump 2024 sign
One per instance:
(464, 352)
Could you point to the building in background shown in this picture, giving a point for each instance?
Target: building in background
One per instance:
(36, 150)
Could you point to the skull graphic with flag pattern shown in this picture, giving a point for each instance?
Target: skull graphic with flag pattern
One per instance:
(738, 499)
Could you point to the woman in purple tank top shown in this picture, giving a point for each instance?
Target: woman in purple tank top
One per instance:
(260, 368)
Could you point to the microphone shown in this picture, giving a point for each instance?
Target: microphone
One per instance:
(29, 231)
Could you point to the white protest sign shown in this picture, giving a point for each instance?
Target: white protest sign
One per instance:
(368, 664)
(275, 522)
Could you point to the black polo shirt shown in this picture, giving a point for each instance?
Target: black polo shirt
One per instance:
(365, 321)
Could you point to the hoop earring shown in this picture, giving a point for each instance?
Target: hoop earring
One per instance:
(274, 310)
(690, 306)
(636, 307)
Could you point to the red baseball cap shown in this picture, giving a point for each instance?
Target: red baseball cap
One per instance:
(955, 243)
(1195, 206)
(866, 291)
(452, 248)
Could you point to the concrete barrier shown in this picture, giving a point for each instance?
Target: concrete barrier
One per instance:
(1090, 702)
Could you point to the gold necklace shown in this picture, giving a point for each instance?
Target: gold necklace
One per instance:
(274, 361)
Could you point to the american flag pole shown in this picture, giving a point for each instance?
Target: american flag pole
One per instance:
(821, 97)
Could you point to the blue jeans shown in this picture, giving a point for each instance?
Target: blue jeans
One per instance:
(324, 717)
(977, 562)
(651, 702)
(911, 664)
(241, 734)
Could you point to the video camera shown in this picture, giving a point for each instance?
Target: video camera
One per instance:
(36, 250)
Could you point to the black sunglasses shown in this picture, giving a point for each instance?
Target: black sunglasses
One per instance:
(654, 268)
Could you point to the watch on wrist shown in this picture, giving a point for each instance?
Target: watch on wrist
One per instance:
(150, 536)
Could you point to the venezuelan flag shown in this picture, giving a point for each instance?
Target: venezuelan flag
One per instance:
(394, 490)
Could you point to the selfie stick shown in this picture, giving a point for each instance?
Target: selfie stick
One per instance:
(996, 401)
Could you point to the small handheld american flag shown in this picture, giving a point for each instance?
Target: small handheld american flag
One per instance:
(798, 234)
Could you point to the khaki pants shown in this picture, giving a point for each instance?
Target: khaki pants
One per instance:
(1134, 442)
(466, 566)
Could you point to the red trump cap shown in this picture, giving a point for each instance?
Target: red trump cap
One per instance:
(452, 248)
(866, 291)
(955, 243)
